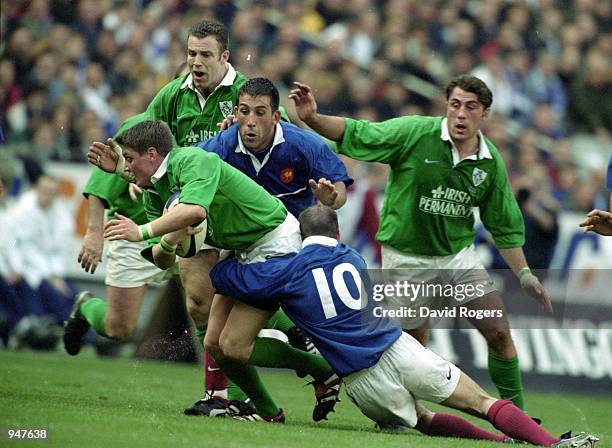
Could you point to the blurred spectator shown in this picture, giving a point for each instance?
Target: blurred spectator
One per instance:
(590, 107)
(38, 229)
(540, 212)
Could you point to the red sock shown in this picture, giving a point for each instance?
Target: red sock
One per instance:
(446, 425)
(510, 420)
(214, 378)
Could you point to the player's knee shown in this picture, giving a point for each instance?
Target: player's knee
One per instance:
(233, 348)
(211, 345)
(499, 339)
(118, 329)
(424, 418)
(198, 309)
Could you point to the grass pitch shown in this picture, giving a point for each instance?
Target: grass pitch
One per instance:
(94, 402)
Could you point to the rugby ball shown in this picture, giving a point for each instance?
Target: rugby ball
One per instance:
(192, 244)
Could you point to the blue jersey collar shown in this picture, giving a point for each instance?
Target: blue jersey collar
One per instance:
(278, 139)
(321, 240)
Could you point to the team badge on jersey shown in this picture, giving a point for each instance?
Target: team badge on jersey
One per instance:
(287, 175)
(478, 176)
(226, 108)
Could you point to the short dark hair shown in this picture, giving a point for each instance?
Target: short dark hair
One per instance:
(474, 85)
(260, 87)
(147, 134)
(209, 28)
(319, 220)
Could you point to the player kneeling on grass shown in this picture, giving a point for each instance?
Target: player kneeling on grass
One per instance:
(384, 369)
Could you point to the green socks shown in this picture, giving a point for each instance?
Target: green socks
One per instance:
(506, 376)
(270, 352)
(200, 333)
(279, 321)
(235, 393)
(247, 378)
(94, 311)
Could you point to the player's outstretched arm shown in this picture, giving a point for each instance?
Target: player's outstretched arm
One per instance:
(306, 107)
(93, 241)
(598, 221)
(515, 258)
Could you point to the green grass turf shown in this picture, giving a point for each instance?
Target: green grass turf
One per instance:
(94, 402)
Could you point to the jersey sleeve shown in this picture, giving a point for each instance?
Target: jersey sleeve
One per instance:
(382, 142)
(501, 214)
(327, 164)
(106, 186)
(198, 175)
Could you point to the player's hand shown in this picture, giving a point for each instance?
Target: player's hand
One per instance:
(91, 251)
(305, 104)
(227, 122)
(122, 228)
(103, 155)
(534, 288)
(598, 221)
(324, 191)
(134, 191)
(177, 236)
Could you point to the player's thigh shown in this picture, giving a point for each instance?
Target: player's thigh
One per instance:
(195, 278)
(241, 328)
(123, 305)
(219, 313)
(469, 397)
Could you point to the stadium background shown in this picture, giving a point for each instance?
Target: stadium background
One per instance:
(71, 71)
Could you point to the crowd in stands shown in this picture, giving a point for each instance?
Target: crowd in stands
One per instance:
(72, 70)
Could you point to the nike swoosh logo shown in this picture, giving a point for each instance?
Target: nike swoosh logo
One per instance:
(448, 377)
(213, 369)
(431, 161)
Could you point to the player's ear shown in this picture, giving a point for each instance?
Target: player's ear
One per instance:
(151, 152)
(276, 116)
(225, 56)
(485, 113)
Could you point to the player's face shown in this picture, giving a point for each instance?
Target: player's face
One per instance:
(141, 166)
(206, 62)
(465, 114)
(256, 121)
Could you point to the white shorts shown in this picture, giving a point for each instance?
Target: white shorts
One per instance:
(406, 372)
(285, 239)
(459, 273)
(126, 268)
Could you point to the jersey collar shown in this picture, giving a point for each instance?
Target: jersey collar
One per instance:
(161, 171)
(321, 240)
(227, 80)
(483, 149)
(278, 139)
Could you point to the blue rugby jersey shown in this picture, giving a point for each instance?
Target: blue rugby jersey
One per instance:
(319, 289)
(295, 157)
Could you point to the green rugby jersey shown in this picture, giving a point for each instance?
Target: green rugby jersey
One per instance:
(113, 191)
(427, 207)
(239, 210)
(191, 117)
